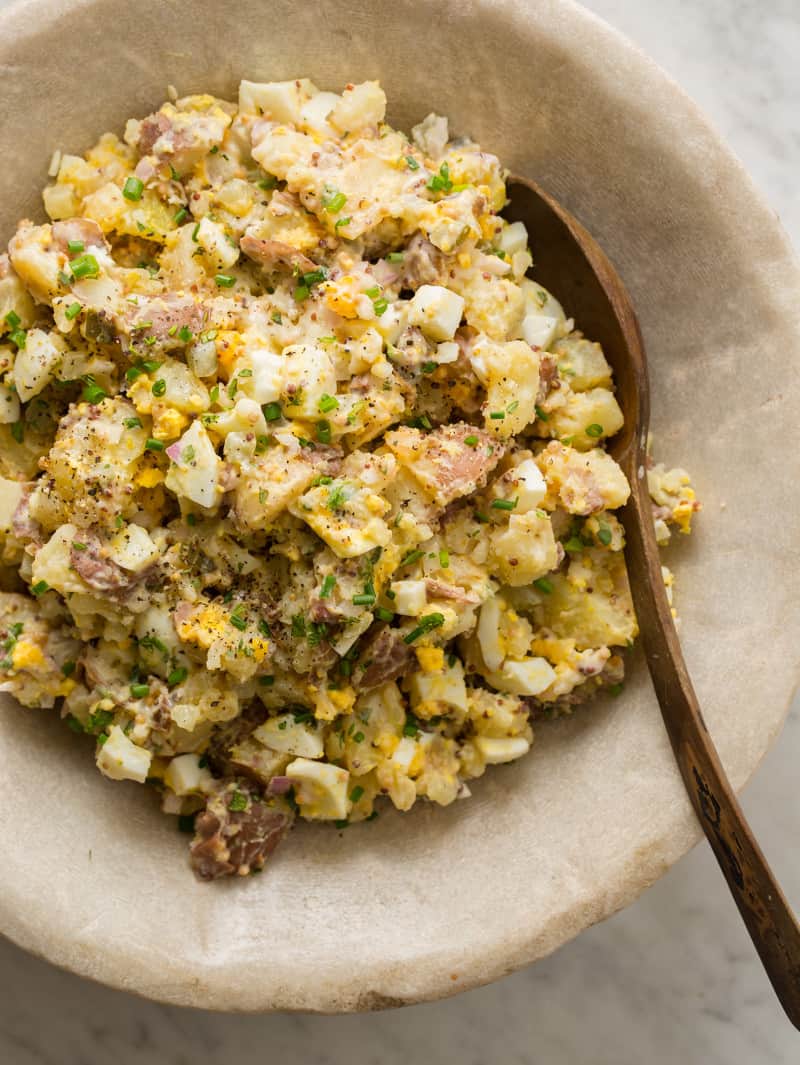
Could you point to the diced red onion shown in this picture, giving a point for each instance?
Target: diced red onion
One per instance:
(279, 785)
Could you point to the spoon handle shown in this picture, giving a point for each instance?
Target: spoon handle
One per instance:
(766, 913)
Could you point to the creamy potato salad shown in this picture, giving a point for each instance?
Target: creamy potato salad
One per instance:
(305, 499)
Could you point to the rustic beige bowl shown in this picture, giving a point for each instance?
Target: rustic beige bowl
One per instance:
(424, 905)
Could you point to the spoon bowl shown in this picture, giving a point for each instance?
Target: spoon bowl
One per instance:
(572, 264)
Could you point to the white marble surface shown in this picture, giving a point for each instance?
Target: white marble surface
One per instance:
(673, 978)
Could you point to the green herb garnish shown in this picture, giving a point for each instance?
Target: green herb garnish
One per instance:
(426, 624)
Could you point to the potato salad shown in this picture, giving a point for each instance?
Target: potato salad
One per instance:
(305, 501)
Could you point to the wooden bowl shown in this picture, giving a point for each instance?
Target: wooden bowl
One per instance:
(422, 905)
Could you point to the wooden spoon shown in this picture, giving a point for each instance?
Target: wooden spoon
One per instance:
(571, 263)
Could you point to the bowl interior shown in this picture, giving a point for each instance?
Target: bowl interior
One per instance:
(417, 906)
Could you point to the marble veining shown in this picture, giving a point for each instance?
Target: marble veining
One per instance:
(671, 979)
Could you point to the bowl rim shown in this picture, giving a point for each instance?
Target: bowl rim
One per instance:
(25, 19)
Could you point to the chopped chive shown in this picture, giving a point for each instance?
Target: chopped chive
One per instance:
(512, 407)
(225, 280)
(328, 584)
(272, 412)
(324, 431)
(152, 643)
(313, 277)
(72, 311)
(132, 423)
(277, 317)
(195, 231)
(380, 306)
(298, 625)
(333, 204)
(180, 216)
(301, 293)
(68, 669)
(266, 682)
(328, 403)
(40, 588)
(543, 585)
(153, 445)
(84, 266)
(444, 559)
(504, 504)
(411, 728)
(426, 624)
(574, 544)
(18, 431)
(78, 545)
(420, 422)
(412, 162)
(93, 393)
(429, 367)
(358, 738)
(480, 517)
(363, 599)
(604, 535)
(497, 415)
(237, 619)
(342, 222)
(594, 430)
(382, 614)
(185, 334)
(75, 246)
(471, 441)
(395, 257)
(133, 189)
(337, 497)
(373, 292)
(541, 415)
(412, 556)
(441, 182)
(159, 387)
(140, 691)
(238, 802)
(177, 676)
(12, 320)
(356, 793)
(18, 337)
